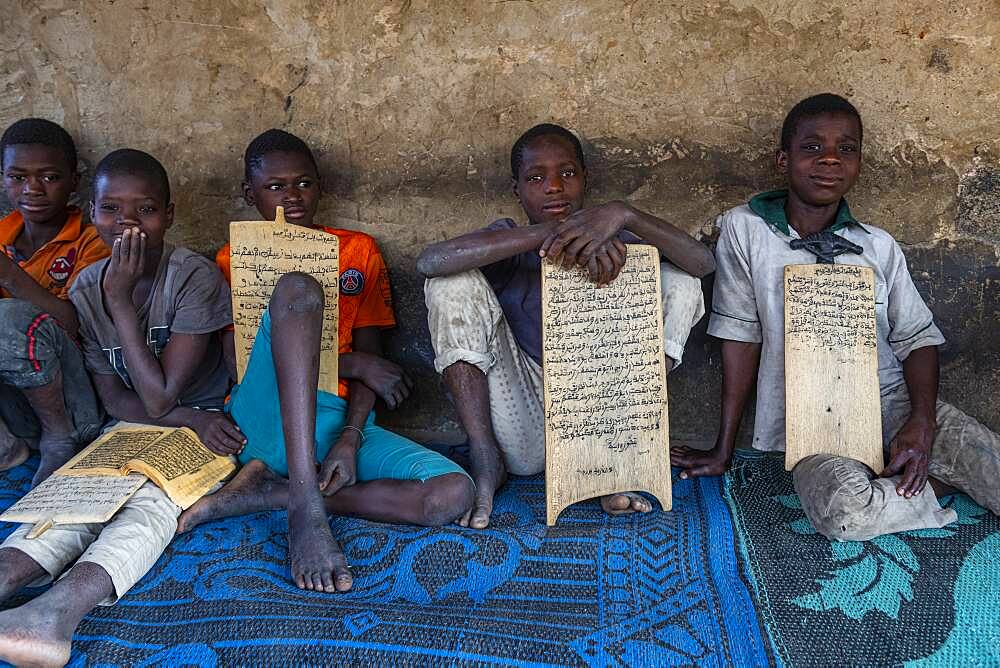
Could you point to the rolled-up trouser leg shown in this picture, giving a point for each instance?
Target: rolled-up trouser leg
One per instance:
(134, 538)
(467, 324)
(683, 306)
(845, 501)
(54, 549)
(33, 347)
(965, 454)
(126, 547)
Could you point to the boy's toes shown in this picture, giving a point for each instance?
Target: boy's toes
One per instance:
(624, 503)
(343, 581)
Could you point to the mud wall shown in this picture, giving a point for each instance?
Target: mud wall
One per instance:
(412, 107)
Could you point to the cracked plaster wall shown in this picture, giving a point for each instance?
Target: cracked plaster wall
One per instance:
(412, 106)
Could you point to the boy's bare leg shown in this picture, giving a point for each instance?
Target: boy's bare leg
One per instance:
(57, 444)
(471, 389)
(433, 502)
(296, 310)
(255, 488)
(16, 571)
(13, 450)
(40, 632)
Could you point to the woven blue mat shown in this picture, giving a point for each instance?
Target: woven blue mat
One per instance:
(729, 577)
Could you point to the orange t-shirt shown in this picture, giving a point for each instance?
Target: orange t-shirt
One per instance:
(55, 265)
(364, 300)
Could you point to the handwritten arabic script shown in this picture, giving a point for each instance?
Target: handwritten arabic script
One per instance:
(832, 307)
(261, 253)
(831, 364)
(605, 383)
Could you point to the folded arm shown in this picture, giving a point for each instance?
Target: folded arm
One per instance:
(579, 238)
(480, 248)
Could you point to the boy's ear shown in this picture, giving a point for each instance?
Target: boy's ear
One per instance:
(170, 215)
(92, 209)
(513, 188)
(248, 194)
(75, 181)
(781, 160)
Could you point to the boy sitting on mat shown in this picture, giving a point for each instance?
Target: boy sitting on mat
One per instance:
(484, 305)
(291, 427)
(923, 437)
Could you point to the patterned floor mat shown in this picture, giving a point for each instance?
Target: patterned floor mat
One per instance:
(732, 576)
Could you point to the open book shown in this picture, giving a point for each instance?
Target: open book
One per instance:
(92, 486)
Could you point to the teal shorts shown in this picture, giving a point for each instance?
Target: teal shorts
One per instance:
(253, 404)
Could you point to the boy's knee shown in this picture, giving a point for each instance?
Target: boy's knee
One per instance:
(678, 283)
(447, 291)
(448, 498)
(299, 292)
(839, 497)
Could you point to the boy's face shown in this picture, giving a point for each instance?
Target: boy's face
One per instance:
(552, 182)
(823, 159)
(123, 201)
(288, 180)
(39, 181)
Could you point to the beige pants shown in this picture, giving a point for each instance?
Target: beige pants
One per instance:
(467, 324)
(844, 500)
(126, 547)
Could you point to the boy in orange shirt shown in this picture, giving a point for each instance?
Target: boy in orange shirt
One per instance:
(291, 427)
(46, 398)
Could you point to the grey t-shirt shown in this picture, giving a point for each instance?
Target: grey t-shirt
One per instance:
(517, 282)
(749, 305)
(189, 296)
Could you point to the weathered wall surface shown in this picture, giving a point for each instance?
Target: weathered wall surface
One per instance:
(412, 107)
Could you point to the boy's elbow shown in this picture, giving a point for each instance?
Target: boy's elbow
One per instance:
(707, 264)
(157, 407)
(429, 264)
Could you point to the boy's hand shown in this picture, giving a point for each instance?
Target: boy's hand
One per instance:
(583, 234)
(340, 466)
(219, 433)
(909, 454)
(699, 463)
(386, 379)
(605, 266)
(128, 259)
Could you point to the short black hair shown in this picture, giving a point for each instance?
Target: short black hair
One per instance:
(824, 103)
(542, 130)
(39, 131)
(133, 162)
(274, 141)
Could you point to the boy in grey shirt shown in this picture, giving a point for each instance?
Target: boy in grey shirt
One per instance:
(150, 320)
(924, 438)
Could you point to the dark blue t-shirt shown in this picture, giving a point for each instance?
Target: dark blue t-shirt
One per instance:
(517, 282)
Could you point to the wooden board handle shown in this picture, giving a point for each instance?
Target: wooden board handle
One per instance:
(40, 528)
(279, 215)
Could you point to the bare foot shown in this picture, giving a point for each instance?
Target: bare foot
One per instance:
(55, 450)
(625, 503)
(318, 564)
(489, 474)
(28, 638)
(253, 489)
